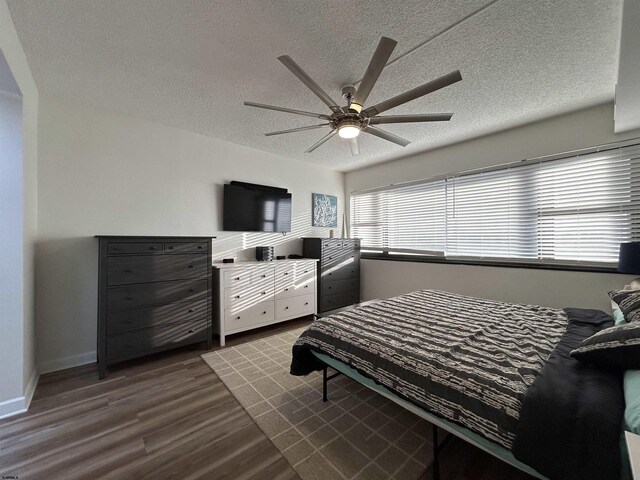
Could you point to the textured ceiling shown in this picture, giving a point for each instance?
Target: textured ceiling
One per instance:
(191, 63)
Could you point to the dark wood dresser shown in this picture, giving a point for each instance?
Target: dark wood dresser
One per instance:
(338, 270)
(154, 293)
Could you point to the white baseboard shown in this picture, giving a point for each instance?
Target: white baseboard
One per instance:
(67, 362)
(12, 407)
(31, 387)
(17, 405)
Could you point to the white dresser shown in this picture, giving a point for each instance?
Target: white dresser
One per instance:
(250, 295)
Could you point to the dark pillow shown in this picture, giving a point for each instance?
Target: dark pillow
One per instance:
(629, 302)
(613, 347)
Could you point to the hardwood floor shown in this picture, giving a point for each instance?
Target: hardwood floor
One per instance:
(165, 417)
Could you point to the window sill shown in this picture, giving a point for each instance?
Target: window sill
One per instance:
(488, 263)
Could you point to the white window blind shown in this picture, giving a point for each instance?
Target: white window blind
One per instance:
(571, 210)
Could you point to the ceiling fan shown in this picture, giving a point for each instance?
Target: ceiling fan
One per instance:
(349, 121)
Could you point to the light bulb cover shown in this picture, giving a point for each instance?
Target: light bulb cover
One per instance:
(348, 131)
(356, 107)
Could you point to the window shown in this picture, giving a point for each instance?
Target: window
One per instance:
(574, 210)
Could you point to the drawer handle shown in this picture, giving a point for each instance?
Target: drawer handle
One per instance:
(191, 290)
(286, 308)
(286, 273)
(264, 293)
(286, 289)
(128, 270)
(306, 303)
(238, 317)
(192, 330)
(190, 266)
(171, 247)
(200, 247)
(128, 298)
(153, 248)
(191, 310)
(237, 278)
(264, 276)
(306, 271)
(330, 288)
(306, 286)
(237, 296)
(264, 313)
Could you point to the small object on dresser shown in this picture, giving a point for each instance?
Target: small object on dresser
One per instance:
(280, 257)
(264, 254)
(228, 260)
(295, 256)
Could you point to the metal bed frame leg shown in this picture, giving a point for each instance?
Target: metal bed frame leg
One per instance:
(437, 448)
(325, 381)
(436, 460)
(324, 384)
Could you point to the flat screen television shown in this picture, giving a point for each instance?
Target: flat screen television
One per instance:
(248, 207)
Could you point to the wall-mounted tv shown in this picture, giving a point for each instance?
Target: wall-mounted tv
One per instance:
(248, 207)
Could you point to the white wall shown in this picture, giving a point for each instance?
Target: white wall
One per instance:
(11, 221)
(23, 345)
(381, 279)
(104, 173)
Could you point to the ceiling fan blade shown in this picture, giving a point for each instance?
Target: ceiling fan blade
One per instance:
(417, 92)
(353, 145)
(376, 65)
(429, 117)
(321, 141)
(386, 136)
(287, 110)
(308, 81)
(299, 129)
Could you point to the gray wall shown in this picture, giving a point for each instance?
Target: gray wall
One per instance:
(105, 173)
(581, 129)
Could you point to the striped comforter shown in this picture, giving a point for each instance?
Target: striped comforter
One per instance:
(466, 359)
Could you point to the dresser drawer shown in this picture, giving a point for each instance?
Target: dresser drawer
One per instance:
(132, 344)
(125, 270)
(339, 258)
(337, 286)
(156, 294)
(123, 248)
(119, 321)
(337, 300)
(237, 278)
(186, 247)
(296, 306)
(262, 275)
(295, 289)
(248, 315)
(235, 297)
(341, 273)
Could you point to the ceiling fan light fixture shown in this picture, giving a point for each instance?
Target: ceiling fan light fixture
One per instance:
(348, 130)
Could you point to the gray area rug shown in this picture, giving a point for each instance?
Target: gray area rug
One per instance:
(357, 434)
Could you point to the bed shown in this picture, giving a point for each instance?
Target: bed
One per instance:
(498, 375)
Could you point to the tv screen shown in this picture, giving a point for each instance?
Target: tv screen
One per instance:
(256, 208)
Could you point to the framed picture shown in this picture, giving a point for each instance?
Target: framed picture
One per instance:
(324, 210)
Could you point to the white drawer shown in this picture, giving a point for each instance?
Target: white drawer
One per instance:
(304, 288)
(237, 297)
(296, 306)
(240, 278)
(248, 315)
(262, 275)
